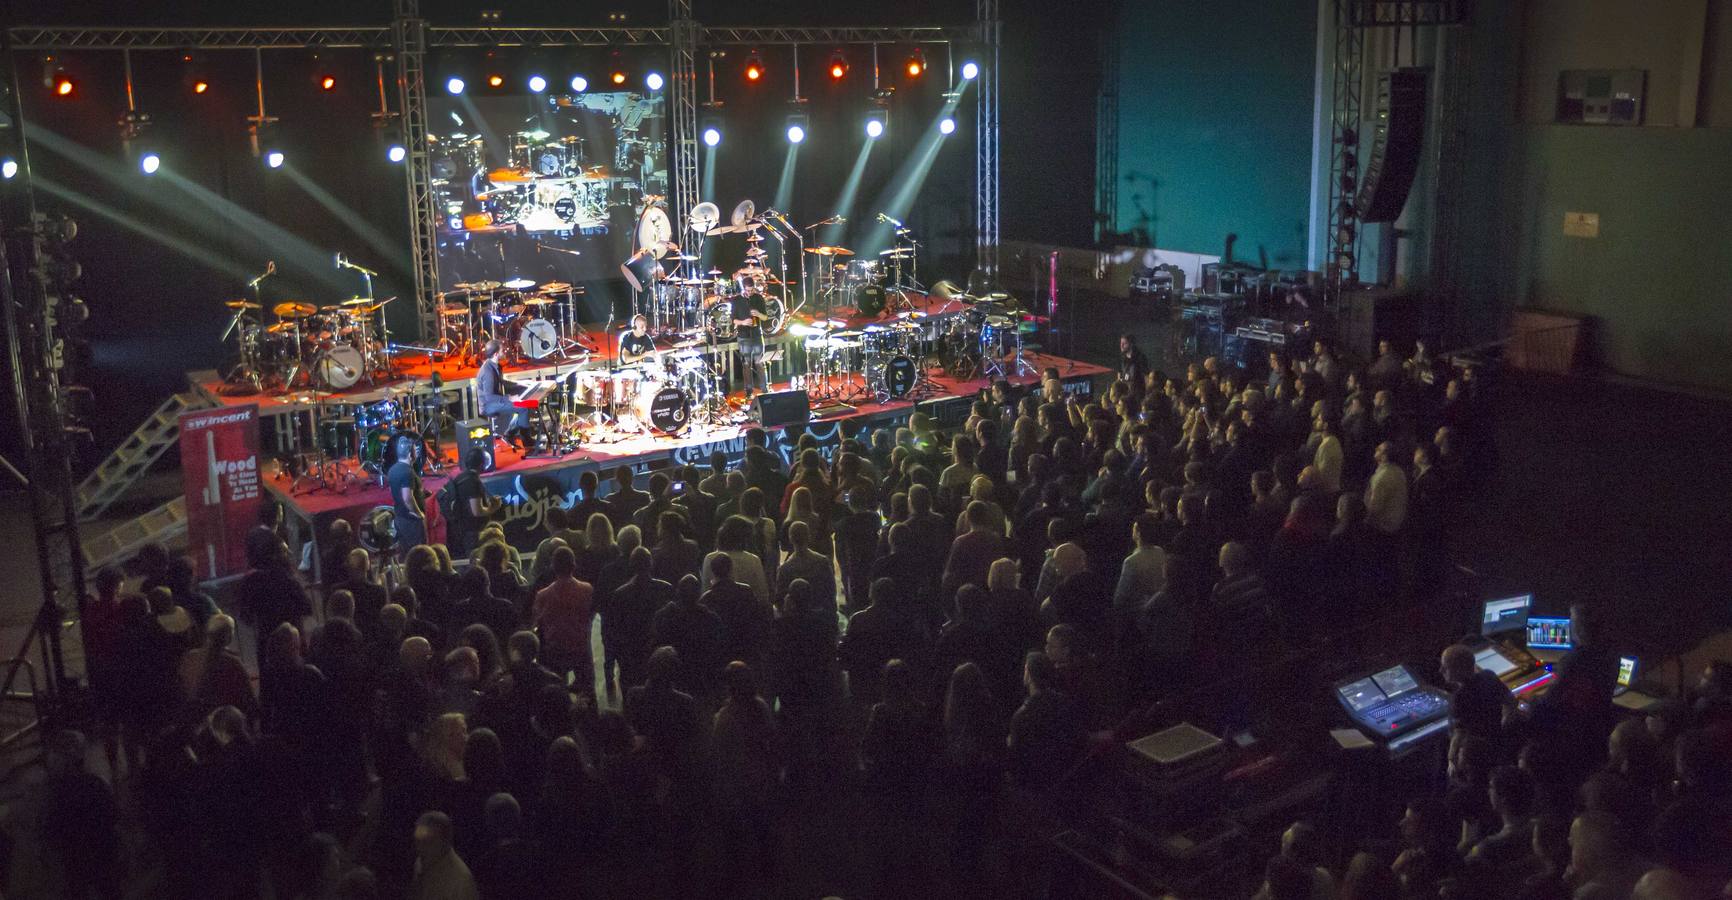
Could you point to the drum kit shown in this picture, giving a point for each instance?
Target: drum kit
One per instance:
(363, 437)
(534, 322)
(309, 347)
(544, 185)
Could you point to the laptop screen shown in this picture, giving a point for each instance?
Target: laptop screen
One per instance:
(1547, 633)
(1505, 615)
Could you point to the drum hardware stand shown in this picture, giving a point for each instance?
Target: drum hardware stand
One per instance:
(384, 328)
(245, 378)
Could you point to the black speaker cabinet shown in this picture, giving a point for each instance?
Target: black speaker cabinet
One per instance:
(475, 434)
(1398, 140)
(783, 408)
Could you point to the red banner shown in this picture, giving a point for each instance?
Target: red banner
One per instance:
(219, 461)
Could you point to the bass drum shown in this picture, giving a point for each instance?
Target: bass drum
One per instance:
(778, 321)
(539, 339)
(379, 450)
(340, 367)
(870, 301)
(900, 375)
(664, 411)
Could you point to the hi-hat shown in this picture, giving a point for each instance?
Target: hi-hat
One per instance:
(519, 284)
(830, 251)
(241, 304)
(294, 309)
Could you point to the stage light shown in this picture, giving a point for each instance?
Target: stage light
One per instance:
(754, 67)
(947, 125)
(149, 163)
(8, 168)
(796, 133)
(877, 120)
(874, 128)
(970, 70)
(537, 84)
(496, 80)
(712, 136)
(618, 76)
(653, 81)
(396, 153)
(274, 159)
(838, 66)
(327, 83)
(579, 84)
(916, 63)
(64, 86)
(200, 86)
(454, 85)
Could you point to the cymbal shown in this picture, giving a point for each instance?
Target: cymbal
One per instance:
(281, 327)
(714, 273)
(241, 304)
(519, 284)
(358, 301)
(366, 310)
(482, 286)
(331, 309)
(704, 216)
(682, 258)
(452, 311)
(759, 251)
(294, 309)
(744, 212)
(539, 301)
(726, 229)
(555, 287)
(830, 251)
(896, 252)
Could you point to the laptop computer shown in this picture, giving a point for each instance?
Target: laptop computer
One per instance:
(1504, 615)
(1631, 693)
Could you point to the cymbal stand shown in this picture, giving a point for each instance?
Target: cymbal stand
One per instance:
(569, 327)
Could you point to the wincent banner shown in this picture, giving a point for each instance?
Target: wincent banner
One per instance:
(219, 461)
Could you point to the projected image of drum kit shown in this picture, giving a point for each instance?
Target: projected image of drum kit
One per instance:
(545, 184)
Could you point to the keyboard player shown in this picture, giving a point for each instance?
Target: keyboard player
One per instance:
(494, 394)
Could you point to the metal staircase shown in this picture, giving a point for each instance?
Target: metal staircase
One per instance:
(135, 455)
(158, 526)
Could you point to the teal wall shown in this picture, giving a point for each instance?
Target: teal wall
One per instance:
(1658, 279)
(1215, 103)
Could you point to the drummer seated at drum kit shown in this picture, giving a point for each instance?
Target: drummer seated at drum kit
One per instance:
(636, 344)
(493, 392)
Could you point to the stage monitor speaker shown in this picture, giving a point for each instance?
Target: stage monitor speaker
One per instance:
(475, 434)
(779, 408)
(1397, 144)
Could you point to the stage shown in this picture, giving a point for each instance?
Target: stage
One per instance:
(529, 485)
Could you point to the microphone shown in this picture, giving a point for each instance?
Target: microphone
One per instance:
(884, 218)
(340, 260)
(270, 269)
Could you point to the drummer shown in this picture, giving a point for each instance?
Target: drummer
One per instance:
(636, 344)
(748, 312)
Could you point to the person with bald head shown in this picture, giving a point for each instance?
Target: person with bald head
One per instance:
(1386, 493)
(1082, 597)
(1478, 698)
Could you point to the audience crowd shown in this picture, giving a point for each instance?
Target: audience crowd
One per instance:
(940, 623)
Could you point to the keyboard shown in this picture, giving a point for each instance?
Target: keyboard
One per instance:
(533, 393)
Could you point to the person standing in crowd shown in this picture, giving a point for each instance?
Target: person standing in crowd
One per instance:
(471, 505)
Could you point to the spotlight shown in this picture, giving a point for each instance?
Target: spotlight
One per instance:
(454, 85)
(796, 133)
(579, 84)
(970, 70)
(63, 84)
(838, 66)
(617, 77)
(916, 63)
(396, 153)
(496, 80)
(8, 168)
(653, 81)
(149, 163)
(712, 136)
(193, 74)
(947, 125)
(874, 128)
(200, 86)
(274, 159)
(327, 83)
(754, 67)
(537, 84)
(616, 70)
